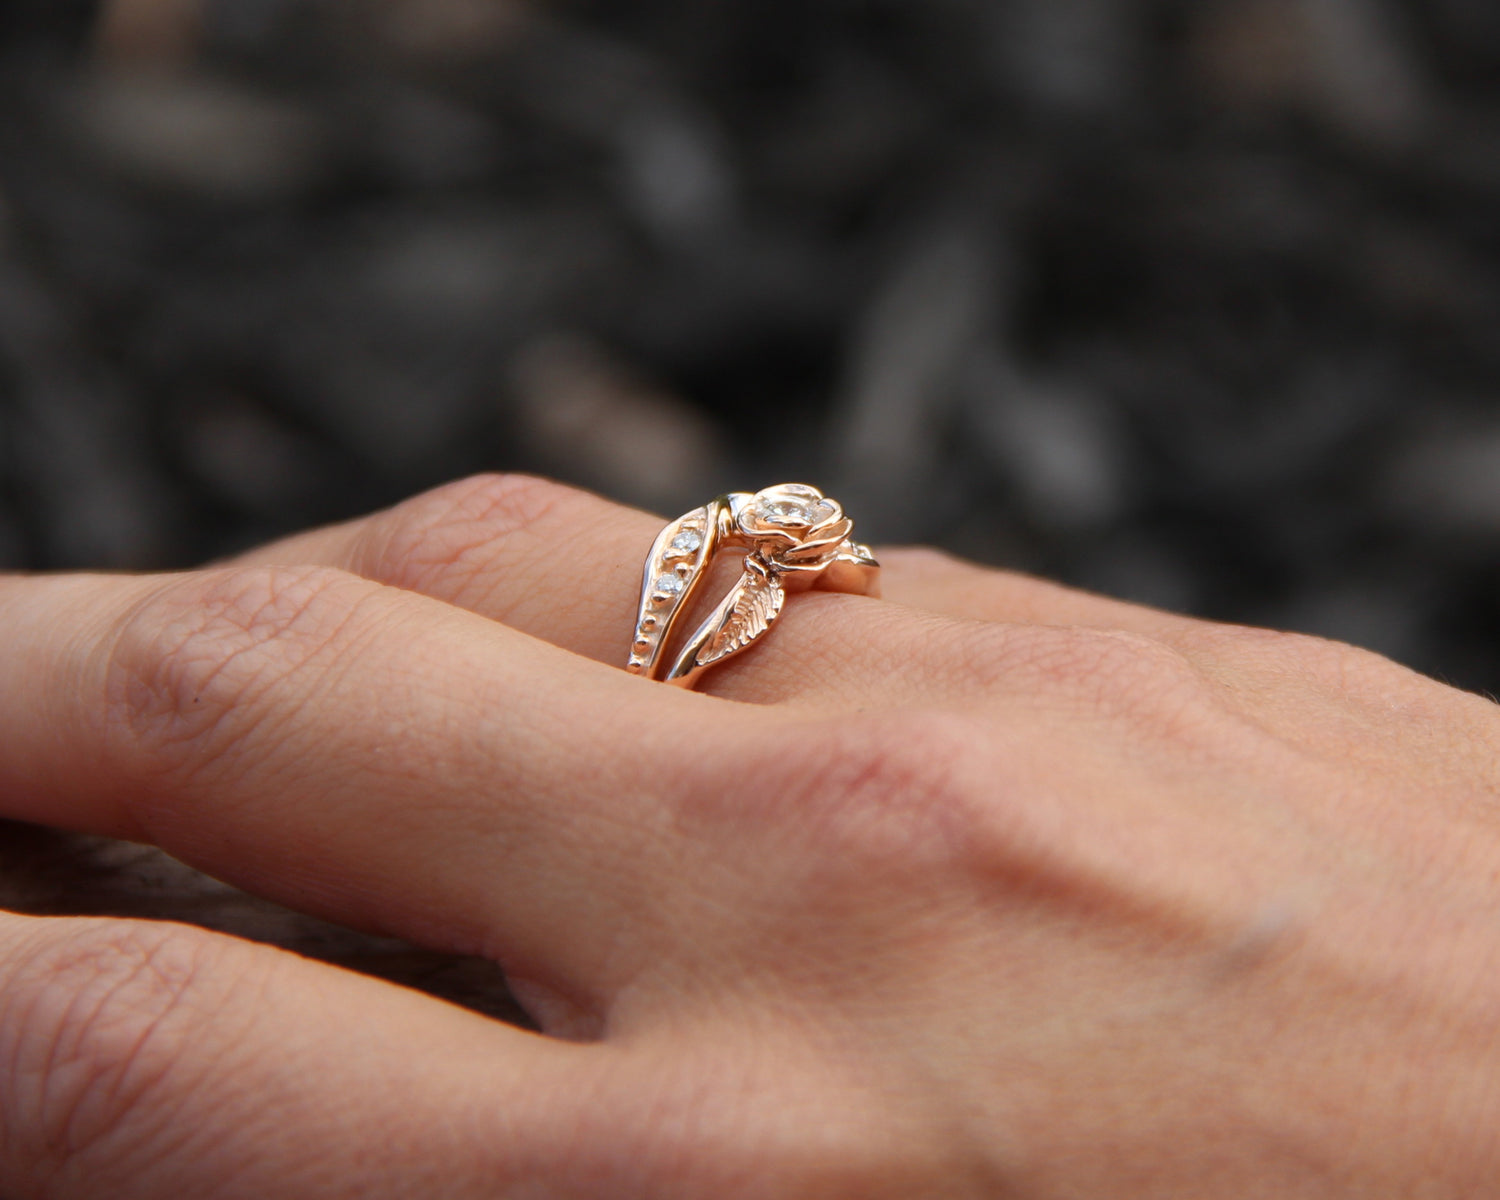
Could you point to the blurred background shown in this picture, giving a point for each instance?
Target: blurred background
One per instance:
(1194, 302)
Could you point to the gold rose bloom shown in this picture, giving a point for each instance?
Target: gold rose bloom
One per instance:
(795, 526)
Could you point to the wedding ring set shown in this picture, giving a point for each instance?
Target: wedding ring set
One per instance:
(793, 538)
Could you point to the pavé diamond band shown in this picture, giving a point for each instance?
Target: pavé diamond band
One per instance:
(793, 537)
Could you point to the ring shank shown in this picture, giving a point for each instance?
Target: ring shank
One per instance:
(785, 535)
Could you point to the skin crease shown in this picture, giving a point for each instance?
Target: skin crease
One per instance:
(988, 888)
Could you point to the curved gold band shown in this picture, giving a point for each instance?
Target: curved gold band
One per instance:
(794, 537)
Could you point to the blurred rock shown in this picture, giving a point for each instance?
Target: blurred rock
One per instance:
(587, 417)
(914, 338)
(1367, 82)
(1450, 479)
(441, 30)
(77, 447)
(1070, 57)
(1347, 63)
(1384, 615)
(416, 137)
(675, 173)
(858, 118)
(669, 159)
(80, 457)
(247, 25)
(1143, 570)
(244, 457)
(148, 33)
(1422, 275)
(1058, 445)
(205, 136)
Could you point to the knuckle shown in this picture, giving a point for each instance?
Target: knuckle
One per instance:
(1353, 679)
(186, 665)
(457, 532)
(93, 1027)
(1338, 666)
(886, 789)
(921, 807)
(1110, 674)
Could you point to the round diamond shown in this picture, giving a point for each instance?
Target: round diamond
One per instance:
(668, 585)
(688, 541)
(784, 512)
(794, 512)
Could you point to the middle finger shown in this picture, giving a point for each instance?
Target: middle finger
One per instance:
(359, 752)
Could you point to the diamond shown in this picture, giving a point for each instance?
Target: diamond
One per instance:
(688, 541)
(783, 512)
(794, 512)
(668, 585)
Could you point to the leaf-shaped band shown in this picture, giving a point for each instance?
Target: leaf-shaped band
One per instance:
(792, 536)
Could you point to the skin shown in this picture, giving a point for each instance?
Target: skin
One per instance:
(988, 888)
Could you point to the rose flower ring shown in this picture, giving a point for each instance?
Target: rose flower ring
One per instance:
(794, 538)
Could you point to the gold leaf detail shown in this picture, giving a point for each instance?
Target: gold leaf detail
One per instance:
(750, 610)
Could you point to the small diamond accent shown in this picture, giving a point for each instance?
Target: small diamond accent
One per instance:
(794, 512)
(688, 541)
(668, 585)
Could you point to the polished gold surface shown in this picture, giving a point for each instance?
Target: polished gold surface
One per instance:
(793, 538)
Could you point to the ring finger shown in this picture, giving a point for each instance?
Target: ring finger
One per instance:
(565, 566)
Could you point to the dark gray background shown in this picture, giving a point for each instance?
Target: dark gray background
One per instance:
(1192, 301)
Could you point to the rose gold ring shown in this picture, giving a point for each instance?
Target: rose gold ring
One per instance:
(794, 538)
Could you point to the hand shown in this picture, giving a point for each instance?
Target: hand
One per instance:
(990, 888)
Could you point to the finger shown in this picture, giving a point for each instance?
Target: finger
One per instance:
(480, 541)
(548, 560)
(935, 581)
(1310, 691)
(565, 566)
(145, 1060)
(363, 753)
